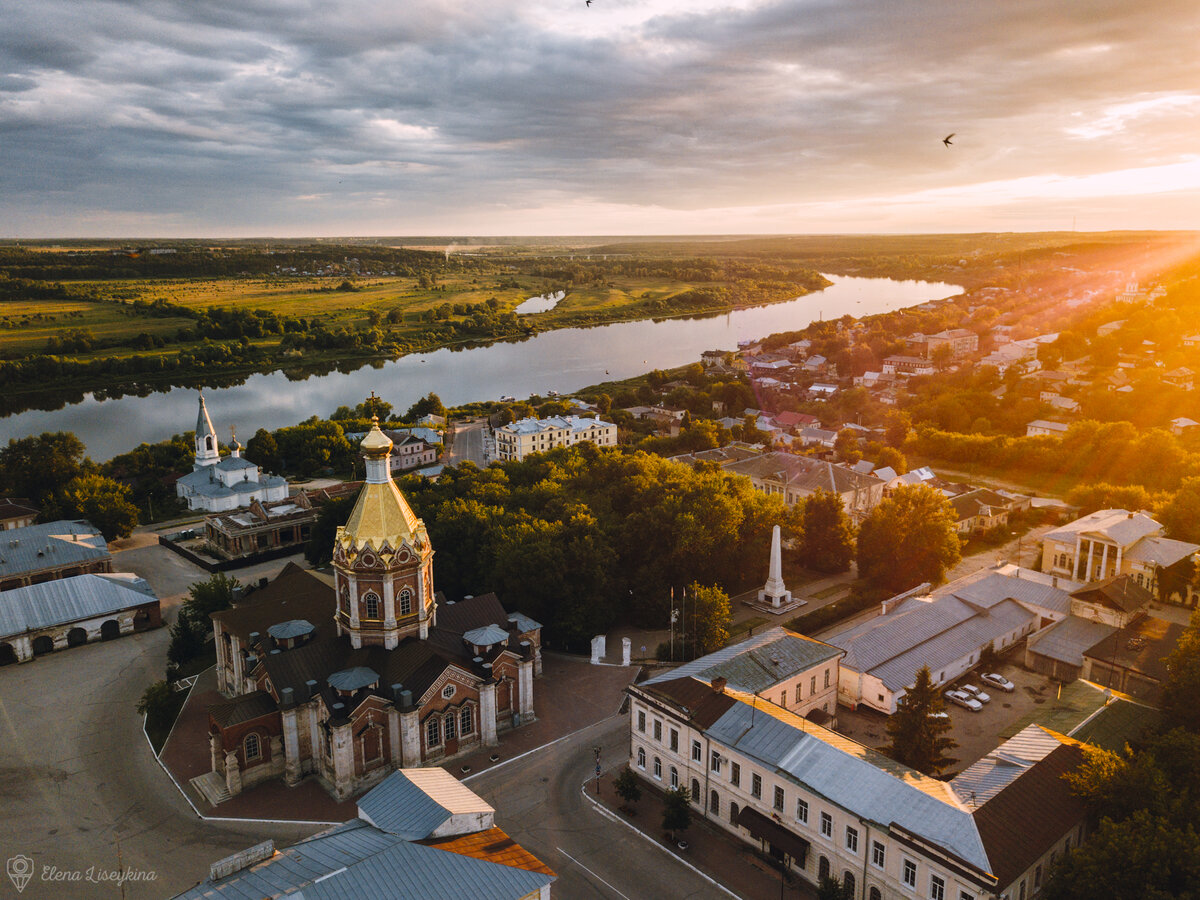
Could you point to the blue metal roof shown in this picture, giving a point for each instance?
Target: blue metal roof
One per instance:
(400, 807)
(293, 628)
(759, 662)
(50, 545)
(351, 679)
(69, 600)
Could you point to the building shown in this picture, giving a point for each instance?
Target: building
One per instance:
(1047, 428)
(37, 553)
(1113, 542)
(961, 341)
(980, 510)
(217, 484)
(68, 612)
(907, 365)
(345, 682)
(794, 478)
(420, 834)
(826, 806)
(518, 439)
(266, 528)
(798, 673)
(16, 512)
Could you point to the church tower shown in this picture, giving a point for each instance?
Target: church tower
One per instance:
(207, 452)
(382, 559)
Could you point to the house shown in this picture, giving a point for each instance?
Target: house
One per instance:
(1191, 340)
(67, 612)
(1047, 428)
(825, 805)
(907, 366)
(350, 680)
(817, 437)
(518, 439)
(1112, 542)
(710, 358)
(16, 512)
(419, 834)
(1058, 401)
(1131, 659)
(1182, 424)
(923, 475)
(38, 553)
(217, 484)
(1110, 327)
(793, 478)
(1181, 378)
(793, 420)
(961, 341)
(272, 527)
(979, 510)
(821, 391)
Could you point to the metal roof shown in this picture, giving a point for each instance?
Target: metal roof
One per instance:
(414, 803)
(65, 600)
(49, 545)
(486, 636)
(353, 679)
(293, 628)
(1065, 641)
(987, 777)
(990, 587)
(757, 663)
(1160, 551)
(1119, 525)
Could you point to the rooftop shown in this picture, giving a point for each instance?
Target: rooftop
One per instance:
(49, 545)
(72, 599)
(759, 662)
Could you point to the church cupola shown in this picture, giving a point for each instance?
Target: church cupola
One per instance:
(207, 452)
(383, 559)
(235, 446)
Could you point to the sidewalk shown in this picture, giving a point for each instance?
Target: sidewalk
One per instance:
(731, 862)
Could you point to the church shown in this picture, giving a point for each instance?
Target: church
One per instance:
(217, 484)
(350, 677)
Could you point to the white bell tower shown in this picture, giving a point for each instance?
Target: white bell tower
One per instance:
(207, 452)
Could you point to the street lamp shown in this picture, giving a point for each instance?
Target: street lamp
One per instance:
(1017, 535)
(596, 751)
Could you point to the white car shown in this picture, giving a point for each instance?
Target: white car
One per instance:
(992, 679)
(958, 698)
(971, 691)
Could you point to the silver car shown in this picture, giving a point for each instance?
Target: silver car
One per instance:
(958, 698)
(972, 691)
(993, 679)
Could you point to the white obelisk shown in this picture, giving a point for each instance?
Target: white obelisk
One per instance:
(775, 590)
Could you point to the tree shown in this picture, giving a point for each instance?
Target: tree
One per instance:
(627, 786)
(893, 458)
(429, 405)
(101, 500)
(263, 450)
(908, 538)
(1181, 689)
(1181, 515)
(827, 544)
(833, 889)
(845, 445)
(38, 466)
(712, 616)
(988, 657)
(333, 514)
(916, 730)
(677, 811)
(941, 356)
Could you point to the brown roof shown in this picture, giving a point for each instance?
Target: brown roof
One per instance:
(16, 508)
(699, 702)
(494, 846)
(1139, 646)
(294, 594)
(243, 709)
(474, 612)
(1119, 592)
(1026, 819)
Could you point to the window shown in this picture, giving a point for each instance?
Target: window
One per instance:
(779, 798)
(963, 895)
(449, 726)
(802, 811)
(641, 759)
(405, 602)
(658, 730)
(851, 839)
(715, 762)
(733, 813)
(826, 825)
(432, 732)
(695, 791)
(1067, 845)
(1021, 892)
(674, 777)
(756, 785)
(783, 699)
(797, 693)
(675, 740)
(826, 678)
(909, 876)
(937, 888)
(371, 603)
(714, 803)
(466, 724)
(642, 721)
(874, 894)
(877, 854)
(1037, 878)
(448, 691)
(344, 601)
(812, 685)
(735, 774)
(252, 746)
(658, 768)
(848, 882)
(696, 751)
(823, 869)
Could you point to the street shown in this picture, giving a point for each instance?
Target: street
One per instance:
(468, 443)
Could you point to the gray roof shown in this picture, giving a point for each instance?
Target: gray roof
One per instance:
(987, 777)
(204, 424)
(523, 622)
(1160, 551)
(1118, 525)
(852, 776)
(356, 861)
(233, 463)
(49, 545)
(757, 663)
(802, 472)
(486, 636)
(292, 628)
(1066, 640)
(352, 679)
(398, 806)
(989, 587)
(69, 600)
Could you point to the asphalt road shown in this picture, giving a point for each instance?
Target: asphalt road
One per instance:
(468, 444)
(539, 802)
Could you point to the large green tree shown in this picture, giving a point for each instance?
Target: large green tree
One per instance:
(827, 542)
(677, 810)
(101, 500)
(331, 516)
(708, 616)
(1181, 689)
(907, 539)
(918, 733)
(39, 466)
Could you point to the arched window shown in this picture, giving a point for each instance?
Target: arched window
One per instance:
(208, 443)
(344, 600)
(641, 759)
(252, 746)
(466, 725)
(658, 768)
(733, 811)
(875, 895)
(432, 732)
(848, 882)
(405, 602)
(823, 869)
(714, 803)
(371, 604)
(695, 791)
(674, 777)
(449, 726)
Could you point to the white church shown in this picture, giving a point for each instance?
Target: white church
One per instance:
(219, 485)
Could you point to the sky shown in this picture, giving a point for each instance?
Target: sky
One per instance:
(244, 118)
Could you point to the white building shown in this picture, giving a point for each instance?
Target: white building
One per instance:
(219, 485)
(518, 439)
(828, 806)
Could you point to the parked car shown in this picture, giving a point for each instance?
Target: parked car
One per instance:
(998, 681)
(958, 698)
(972, 691)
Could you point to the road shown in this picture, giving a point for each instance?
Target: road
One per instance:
(539, 802)
(468, 443)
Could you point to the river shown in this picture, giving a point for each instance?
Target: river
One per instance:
(563, 360)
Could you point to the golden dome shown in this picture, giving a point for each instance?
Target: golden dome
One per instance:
(376, 444)
(382, 517)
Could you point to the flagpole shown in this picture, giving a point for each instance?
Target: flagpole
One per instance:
(672, 623)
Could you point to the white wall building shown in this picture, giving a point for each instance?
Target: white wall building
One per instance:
(518, 439)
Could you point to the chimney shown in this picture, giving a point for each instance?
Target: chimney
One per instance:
(718, 684)
(406, 699)
(286, 697)
(397, 690)
(311, 684)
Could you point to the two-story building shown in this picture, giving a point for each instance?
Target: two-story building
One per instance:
(794, 478)
(518, 439)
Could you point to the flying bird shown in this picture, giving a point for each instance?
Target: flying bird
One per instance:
(587, 2)
(946, 140)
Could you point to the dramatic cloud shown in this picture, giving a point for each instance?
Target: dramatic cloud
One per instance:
(215, 117)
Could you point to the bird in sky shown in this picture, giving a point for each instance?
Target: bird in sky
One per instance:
(946, 140)
(587, 2)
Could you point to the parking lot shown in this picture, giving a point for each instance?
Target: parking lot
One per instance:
(977, 733)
